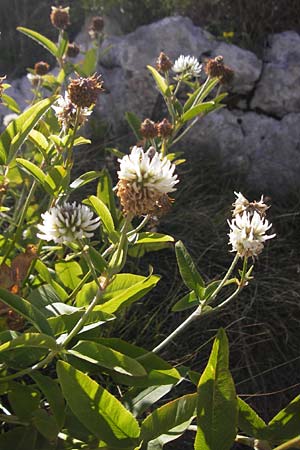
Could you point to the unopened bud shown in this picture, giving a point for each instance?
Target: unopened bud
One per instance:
(41, 68)
(73, 50)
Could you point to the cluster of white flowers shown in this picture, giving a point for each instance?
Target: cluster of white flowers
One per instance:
(187, 65)
(66, 111)
(148, 170)
(248, 227)
(145, 179)
(68, 222)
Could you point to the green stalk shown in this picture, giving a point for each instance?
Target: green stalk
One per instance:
(227, 275)
(28, 370)
(292, 443)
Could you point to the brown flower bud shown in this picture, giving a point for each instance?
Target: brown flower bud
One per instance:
(83, 92)
(163, 63)
(97, 24)
(1, 85)
(73, 50)
(164, 128)
(216, 68)
(41, 68)
(60, 17)
(148, 129)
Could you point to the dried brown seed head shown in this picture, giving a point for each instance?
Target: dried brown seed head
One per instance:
(60, 17)
(97, 24)
(164, 128)
(83, 92)
(216, 68)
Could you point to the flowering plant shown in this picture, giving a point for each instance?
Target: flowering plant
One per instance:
(66, 382)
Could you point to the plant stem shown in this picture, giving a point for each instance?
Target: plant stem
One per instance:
(227, 275)
(185, 131)
(179, 329)
(140, 226)
(83, 319)
(295, 442)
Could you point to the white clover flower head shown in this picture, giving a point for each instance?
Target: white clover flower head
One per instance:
(68, 222)
(65, 112)
(9, 118)
(145, 179)
(248, 234)
(187, 65)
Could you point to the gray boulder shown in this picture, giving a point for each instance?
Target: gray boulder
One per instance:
(277, 91)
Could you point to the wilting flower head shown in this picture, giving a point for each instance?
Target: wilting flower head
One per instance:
(164, 128)
(96, 27)
(67, 223)
(60, 17)
(248, 234)
(163, 63)
(215, 67)
(242, 205)
(145, 179)
(66, 111)
(187, 65)
(148, 129)
(83, 92)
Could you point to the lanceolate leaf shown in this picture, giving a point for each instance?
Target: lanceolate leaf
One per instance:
(203, 108)
(38, 340)
(105, 216)
(285, 425)
(40, 39)
(18, 130)
(217, 409)
(190, 276)
(134, 123)
(160, 81)
(250, 422)
(104, 356)
(97, 409)
(162, 420)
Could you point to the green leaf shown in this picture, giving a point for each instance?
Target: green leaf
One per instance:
(69, 272)
(130, 295)
(163, 420)
(45, 424)
(159, 372)
(64, 323)
(285, 425)
(148, 242)
(217, 409)
(203, 108)
(106, 194)
(98, 261)
(47, 276)
(211, 287)
(250, 422)
(25, 309)
(104, 356)
(32, 169)
(80, 140)
(88, 66)
(84, 179)
(23, 399)
(10, 103)
(98, 410)
(56, 180)
(19, 438)
(38, 340)
(135, 124)
(204, 92)
(53, 394)
(160, 82)
(40, 39)
(189, 274)
(138, 401)
(39, 140)
(64, 41)
(188, 301)
(105, 216)
(17, 131)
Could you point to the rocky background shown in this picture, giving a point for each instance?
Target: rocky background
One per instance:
(257, 134)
